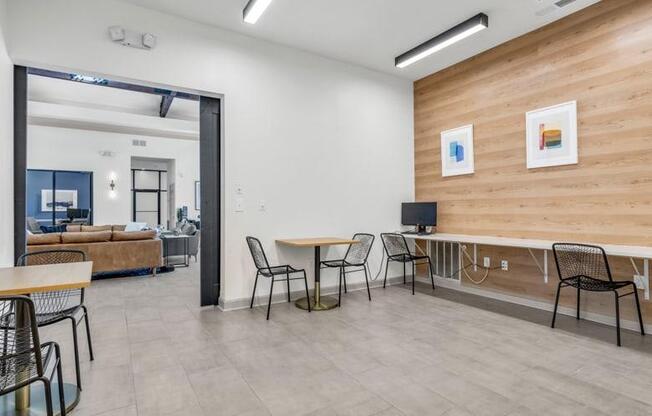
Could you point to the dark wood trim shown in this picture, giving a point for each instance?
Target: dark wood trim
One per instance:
(166, 102)
(211, 199)
(20, 158)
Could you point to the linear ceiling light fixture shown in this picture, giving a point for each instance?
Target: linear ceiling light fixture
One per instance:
(254, 9)
(443, 40)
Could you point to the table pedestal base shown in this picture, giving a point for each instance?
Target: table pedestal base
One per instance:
(37, 400)
(325, 303)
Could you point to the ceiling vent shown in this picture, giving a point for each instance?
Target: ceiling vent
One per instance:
(106, 153)
(139, 143)
(560, 4)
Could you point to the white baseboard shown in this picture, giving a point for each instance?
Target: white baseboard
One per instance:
(243, 303)
(589, 316)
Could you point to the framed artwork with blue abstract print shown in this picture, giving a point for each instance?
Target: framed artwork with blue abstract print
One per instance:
(457, 151)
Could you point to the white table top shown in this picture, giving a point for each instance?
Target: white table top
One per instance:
(643, 252)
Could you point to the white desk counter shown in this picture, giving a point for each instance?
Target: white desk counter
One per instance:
(633, 252)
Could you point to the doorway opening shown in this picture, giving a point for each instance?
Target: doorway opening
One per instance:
(149, 157)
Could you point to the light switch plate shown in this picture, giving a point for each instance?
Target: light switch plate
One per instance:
(487, 262)
(239, 205)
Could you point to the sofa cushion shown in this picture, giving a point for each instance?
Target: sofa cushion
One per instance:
(135, 226)
(75, 228)
(41, 239)
(133, 235)
(86, 237)
(118, 227)
(90, 228)
(188, 229)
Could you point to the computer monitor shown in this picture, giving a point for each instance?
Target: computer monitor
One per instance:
(73, 213)
(419, 214)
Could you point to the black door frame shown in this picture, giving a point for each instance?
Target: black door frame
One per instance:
(210, 143)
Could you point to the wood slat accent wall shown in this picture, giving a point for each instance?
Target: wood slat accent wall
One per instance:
(601, 57)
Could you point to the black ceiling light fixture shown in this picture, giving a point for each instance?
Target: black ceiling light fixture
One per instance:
(453, 35)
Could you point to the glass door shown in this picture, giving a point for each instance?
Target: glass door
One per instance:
(56, 197)
(150, 197)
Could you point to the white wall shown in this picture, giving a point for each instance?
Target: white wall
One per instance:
(6, 146)
(327, 145)
(72, 149)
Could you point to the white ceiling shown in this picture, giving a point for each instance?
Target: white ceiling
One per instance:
(371, 33)
(60, 103)
(77, 94)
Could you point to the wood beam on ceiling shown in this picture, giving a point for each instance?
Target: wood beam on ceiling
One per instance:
(166, 102)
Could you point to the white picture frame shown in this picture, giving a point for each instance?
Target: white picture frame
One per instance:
(458, 161)
(64, 199)
(551, 136)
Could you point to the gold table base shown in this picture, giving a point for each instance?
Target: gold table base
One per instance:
(318, 302)
(325, 303)
(37, 405)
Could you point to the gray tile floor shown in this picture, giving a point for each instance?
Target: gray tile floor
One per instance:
(157, 353)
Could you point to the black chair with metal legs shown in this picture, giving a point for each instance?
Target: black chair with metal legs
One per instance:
(355, 258)
(397, 250)
(61, 305)
(264, 269)
(586, 267)
(24, 359)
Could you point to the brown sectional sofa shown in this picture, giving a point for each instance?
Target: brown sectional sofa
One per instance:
(110, 248)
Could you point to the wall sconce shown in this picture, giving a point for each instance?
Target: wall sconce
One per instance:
(112, 192)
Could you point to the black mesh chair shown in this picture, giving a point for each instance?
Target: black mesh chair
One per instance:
(585, 267)
(355, 260)
(264, 269)
(24, 359)
(397, 250)
(57, 306)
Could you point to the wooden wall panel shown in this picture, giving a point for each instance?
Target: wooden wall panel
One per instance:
(601, 57)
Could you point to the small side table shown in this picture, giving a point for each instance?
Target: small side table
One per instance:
(174, 246)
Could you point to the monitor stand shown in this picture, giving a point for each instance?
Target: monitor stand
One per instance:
(418, 230)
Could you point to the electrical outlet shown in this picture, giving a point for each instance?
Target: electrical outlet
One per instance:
(487, 262)
(504, 265)
(261, 205)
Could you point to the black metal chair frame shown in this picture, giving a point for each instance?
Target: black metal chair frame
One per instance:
(71, 313)
(593, 284)
(405, 257)
(343, 264)
(272, 271)
(45, 369)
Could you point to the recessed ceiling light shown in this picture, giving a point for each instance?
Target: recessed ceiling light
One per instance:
(254, 9)
(443, 40)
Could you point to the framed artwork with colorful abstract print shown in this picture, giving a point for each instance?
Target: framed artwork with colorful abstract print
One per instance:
(552, 136)
(457, 151)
